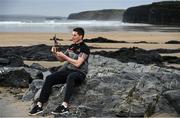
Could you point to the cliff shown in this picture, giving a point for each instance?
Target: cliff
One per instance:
(107, 14)
(160, 13)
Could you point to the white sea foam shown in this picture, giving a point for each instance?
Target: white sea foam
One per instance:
(65, 22)
(64, 25)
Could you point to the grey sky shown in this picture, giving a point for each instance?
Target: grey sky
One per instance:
(64, 7)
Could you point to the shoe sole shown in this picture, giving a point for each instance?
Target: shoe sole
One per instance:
(55, 113)
(35, 113)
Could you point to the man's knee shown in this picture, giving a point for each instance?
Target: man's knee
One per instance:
(70, 78)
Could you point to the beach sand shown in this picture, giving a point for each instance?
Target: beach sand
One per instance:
(11, 107)
(27, 39)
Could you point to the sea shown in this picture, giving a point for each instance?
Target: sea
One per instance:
(24, 23)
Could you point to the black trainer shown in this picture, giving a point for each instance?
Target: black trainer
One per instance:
(60, 110)
(35, 110)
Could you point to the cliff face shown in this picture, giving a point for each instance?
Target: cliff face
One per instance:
(160, 13)
(108, 14)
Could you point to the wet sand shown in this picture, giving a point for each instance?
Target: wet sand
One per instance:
(11, 106)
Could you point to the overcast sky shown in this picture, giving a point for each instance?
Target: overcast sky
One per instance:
(64, 7)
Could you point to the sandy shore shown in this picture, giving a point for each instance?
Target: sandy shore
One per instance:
(26, 39)
(11, 107)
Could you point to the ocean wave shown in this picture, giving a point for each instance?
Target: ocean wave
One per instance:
(89, 25)
(65, 22)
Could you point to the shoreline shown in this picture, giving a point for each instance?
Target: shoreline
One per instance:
(28, 39)
(32, 38)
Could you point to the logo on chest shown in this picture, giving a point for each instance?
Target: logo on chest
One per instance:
(75, 50)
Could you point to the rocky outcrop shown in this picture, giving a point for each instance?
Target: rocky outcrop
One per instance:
(107, 14)
(35, 52)
(17, 78)
(142, 56)
(11, 60)
(113, 88)
(20, 77)
(102, 40)
(14, 56)
(173, 97)
(160, 13)
(172, 42)
(134, 54)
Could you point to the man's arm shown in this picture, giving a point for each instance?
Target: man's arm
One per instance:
(59, 58)
(81, 58)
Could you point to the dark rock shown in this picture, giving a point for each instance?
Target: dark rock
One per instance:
(171, 59)
(35, 74)
(38, 66)
(160, 13)
(14, 56)
(16, 78)
(36, 52)
(115, 89)
(33, 88)
(39, 75)
(107, 14)
(166, 50)
(172, 42)
(4, 61)
(134, 54)
(145, 42)
(173, 97)
(102, 40)
(11, 60)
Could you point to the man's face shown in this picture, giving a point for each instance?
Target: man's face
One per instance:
(76, 37)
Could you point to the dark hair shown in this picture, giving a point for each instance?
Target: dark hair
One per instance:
(79, 30)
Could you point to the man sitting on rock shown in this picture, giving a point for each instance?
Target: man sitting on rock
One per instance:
(73, 72)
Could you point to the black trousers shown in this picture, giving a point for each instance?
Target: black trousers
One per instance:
(72, 78)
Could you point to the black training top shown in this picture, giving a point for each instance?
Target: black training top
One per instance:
(78, 50)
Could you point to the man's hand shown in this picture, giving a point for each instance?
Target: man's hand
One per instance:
(58, 54)
(54, 50)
